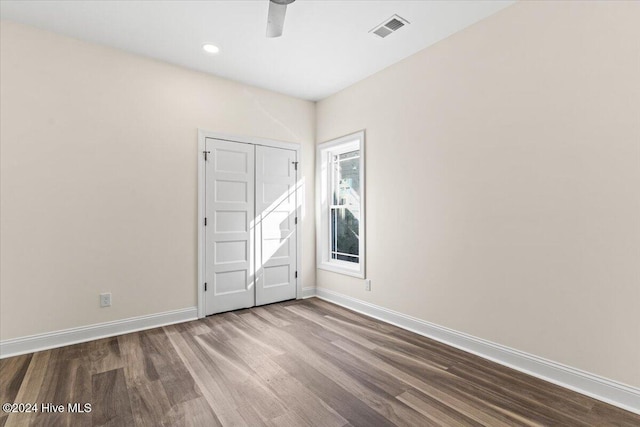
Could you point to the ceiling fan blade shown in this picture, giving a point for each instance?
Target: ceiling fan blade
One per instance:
(275, 21)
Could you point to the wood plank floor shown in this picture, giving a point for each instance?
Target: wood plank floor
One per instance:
(298, 363)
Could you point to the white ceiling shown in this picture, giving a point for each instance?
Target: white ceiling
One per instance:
(326, 45)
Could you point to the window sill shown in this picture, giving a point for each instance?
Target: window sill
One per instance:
(341, 270)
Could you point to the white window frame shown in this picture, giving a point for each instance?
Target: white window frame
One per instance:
(340, 145)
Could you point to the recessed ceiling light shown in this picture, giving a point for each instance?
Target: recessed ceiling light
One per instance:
(210, 48)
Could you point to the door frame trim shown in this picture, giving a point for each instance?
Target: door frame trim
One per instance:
(202, 136)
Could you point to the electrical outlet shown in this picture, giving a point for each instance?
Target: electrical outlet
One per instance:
(105, 300)
(367, 284)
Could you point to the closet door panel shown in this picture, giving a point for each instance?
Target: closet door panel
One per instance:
(230, 230)
(276, 225)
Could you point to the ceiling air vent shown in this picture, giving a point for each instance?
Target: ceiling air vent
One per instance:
(389, 26)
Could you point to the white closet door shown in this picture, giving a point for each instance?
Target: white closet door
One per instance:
(230, 177)
(276, 224)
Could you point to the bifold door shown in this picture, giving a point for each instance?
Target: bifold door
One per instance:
(250, 232)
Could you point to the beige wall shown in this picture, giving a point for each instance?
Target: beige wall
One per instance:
(98, 177)
(503, 183)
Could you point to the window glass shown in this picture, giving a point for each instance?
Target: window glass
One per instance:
(345, 237)
(345, 211)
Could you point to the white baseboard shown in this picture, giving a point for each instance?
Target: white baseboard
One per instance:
(606, 390)
(33, 343)
(308, 292)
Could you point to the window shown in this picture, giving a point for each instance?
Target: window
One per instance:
(340, 201)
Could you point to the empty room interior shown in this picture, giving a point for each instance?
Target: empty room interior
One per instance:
(320, 213)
